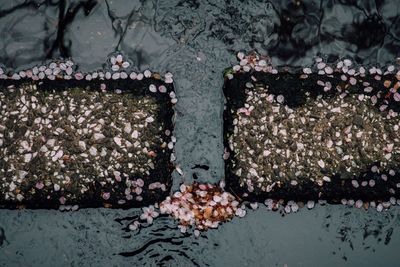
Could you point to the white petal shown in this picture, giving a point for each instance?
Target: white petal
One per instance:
(119, 58)
(115, 67)
(125, 64)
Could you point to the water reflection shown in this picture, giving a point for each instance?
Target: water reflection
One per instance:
(195, 40)
(328, 235)
(289, 31)
(367, 230)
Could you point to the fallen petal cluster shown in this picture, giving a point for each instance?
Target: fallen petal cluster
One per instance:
(201, 206)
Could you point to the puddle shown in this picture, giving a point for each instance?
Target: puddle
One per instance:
(196, 41)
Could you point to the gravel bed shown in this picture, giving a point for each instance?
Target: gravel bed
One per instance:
(73, 146)
(323, 137)
(289, 136)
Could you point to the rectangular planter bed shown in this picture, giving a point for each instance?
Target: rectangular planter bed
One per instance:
(330, 134)
(87, 142)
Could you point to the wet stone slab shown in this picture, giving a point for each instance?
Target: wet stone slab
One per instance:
(88, 144)
(311, 136)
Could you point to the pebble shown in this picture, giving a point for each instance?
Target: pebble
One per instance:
(326, 179)
(321, 163)
(12, 186)
(27, 157)
(98, 136)
(118, 140)
(93, 151)
(82, 145)
(20, 197)
(128, 128)
(149, 119)
(58, 155)
(25, 145)
(135, 134)
(51, 142)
